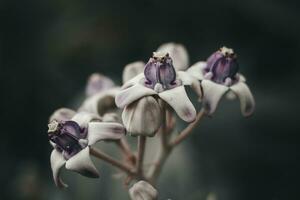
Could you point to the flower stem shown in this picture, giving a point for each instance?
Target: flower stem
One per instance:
(124, 146)
(188, 130)
(103, 156)
(141, 152)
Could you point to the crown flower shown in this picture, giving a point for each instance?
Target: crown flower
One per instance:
(159, 80)
(71, 140)
(219, 75)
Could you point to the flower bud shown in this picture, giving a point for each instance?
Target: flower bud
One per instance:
(142, 117)
(160, 70)
(222, 66)
(142, 190)
(97, 83)
(132, 69)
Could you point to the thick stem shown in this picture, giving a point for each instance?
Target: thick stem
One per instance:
(103, 156)
(188, 130)
(124, 146)
(141, 152)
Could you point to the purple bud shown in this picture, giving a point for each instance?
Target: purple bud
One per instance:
(160, 70)
(222, 65)
(66, 136)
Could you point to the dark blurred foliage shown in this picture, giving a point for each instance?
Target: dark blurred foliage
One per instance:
(48, 49)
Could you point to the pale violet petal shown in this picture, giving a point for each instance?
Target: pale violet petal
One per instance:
(62, 114)
(132, 69)
(137, 79)
(104, 131)
(57, 161)
(197, 69)
(101, 102)
(190, 80)
(142, 117)
(97, 83)
(212, 93)
(131, 94)
(142, 190)
(246, 98)
(178, 53)
(83, 118)
(180, 102)
(82, 163)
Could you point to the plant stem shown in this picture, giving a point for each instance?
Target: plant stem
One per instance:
(124, 146)
(103, 156)
(188, 130)
(141, 152)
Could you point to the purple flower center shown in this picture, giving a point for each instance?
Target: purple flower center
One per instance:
(160, 70)
(66, 136)
(222, 65)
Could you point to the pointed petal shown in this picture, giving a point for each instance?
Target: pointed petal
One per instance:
(101, 102)
(197, 69)
(245, 96)
(83, 118)
(97, 83)
(57, 162)
(142, 117)
(137, 79)
(187, 79)
(180, 102)
(82, 163)
(62, 114)
(178, 53)
(132, 94)
(132, 69)
(104, 131)
(212, 93)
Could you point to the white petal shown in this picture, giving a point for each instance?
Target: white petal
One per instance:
(134, 80)
(101, 102)
(196, 70)
(188, 79)
(132, 94)
(241, 77)
(178, 53)
(97, 83)
(82, 163)
(83, 118)
(62, 114)
(142, 117)
(245, 96)
(104, 131)
(57, 162)
(212, 93)
(180, 102)
(132, 69)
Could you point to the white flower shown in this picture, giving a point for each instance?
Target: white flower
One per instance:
(142, 190)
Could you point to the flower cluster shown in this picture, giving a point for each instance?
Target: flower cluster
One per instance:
(145, 105)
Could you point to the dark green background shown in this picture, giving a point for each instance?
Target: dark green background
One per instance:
(48, 49)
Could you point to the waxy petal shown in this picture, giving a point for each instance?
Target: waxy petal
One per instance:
(97, 83)
(100, 103)
(178, 53)
(104, 131)
(187, 79)
(57, 162)
(82, 163)
(212, 93)
(180, 102)
(83, 118)
(197, 70)
(246, 98)
(142, 190)
(132, 69)
(131, 94)
(142, 117)
(62, 114)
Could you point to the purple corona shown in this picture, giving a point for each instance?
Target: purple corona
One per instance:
(160, 71)
(222, 66)
(66, 136)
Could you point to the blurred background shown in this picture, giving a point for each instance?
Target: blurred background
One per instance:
(49, 48)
